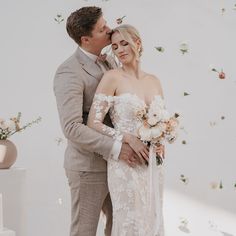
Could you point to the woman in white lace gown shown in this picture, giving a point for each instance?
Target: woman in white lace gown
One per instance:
(136, 199)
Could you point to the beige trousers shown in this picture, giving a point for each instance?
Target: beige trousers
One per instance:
(89, 195)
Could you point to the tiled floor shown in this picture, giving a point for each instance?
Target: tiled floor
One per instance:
(186, 216)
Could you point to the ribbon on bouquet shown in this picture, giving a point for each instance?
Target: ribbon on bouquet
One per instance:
(154, 195)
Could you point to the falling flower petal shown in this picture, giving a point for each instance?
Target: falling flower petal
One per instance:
(213, 69)
(221, 185)
(184, 226)
(59, 18)
(59, 140)
(212, 226)
(222, 75)
(184, 229)
(186, 94)
(120, 20)
(226, 234)
(212, 123)
(184, 179)
(184, 48)
(214, 185)
(59, 201)
(223, 11)
(160, 49)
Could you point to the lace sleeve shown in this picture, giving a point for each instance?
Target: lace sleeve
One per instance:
(100, 107)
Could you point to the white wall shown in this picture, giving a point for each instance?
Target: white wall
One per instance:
(32, 45)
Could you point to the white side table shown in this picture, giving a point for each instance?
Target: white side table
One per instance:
(13, 189)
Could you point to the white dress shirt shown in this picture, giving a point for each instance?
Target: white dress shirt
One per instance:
(116, 148)
(94, 58)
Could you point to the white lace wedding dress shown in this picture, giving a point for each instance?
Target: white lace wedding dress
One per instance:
(136, 193)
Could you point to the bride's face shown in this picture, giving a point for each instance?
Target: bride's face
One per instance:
(122, 49)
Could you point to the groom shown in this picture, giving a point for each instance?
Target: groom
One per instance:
(75, 83)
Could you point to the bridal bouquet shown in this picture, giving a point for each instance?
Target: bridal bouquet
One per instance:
(12, 126)
(157, 125)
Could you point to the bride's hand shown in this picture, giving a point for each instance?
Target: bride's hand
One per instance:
(137, 145)
(160, 150)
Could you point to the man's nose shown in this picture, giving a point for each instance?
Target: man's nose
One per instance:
(109, 30)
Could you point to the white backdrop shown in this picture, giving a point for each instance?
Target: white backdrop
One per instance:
(33, 44)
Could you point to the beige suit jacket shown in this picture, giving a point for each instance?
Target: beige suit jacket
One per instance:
(75, 84)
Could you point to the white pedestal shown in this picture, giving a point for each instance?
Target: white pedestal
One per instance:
(7, 232)
(13, 189)
(1, 214)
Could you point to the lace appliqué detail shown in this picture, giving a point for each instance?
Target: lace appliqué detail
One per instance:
(100, 107)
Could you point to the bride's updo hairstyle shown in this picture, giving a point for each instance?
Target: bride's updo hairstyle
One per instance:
(131, 35)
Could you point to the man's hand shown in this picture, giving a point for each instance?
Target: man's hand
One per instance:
(129, 156)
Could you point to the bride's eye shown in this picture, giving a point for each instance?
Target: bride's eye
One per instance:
(124, 43)
(114, 46)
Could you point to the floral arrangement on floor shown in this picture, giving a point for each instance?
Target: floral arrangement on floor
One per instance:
(12, 126)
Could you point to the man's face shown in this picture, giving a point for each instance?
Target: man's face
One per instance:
(100, 35)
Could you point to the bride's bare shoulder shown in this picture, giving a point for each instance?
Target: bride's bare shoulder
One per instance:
(110, 79)
(155, 83)
(112, 74)
(152, 77)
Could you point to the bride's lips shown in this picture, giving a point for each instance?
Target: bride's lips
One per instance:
(122, 56)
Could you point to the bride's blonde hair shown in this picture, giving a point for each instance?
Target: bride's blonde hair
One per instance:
(130, 34)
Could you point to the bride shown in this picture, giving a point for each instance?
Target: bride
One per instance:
(137, 204)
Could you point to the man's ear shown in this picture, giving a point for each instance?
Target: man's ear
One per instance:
(84, 40)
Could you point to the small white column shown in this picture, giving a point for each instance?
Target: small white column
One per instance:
(13, 189)
(1, 214)
(7, 232)
(4, 231)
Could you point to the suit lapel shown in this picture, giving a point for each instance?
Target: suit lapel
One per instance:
(88, 65)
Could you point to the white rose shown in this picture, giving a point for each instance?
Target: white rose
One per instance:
(152, 121)
(145, 133)
(165, 115)
(154, 115)
(156, 132)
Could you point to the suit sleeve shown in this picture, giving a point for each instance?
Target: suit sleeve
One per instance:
(69, 91)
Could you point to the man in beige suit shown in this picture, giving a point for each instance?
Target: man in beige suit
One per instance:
(75, 83)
